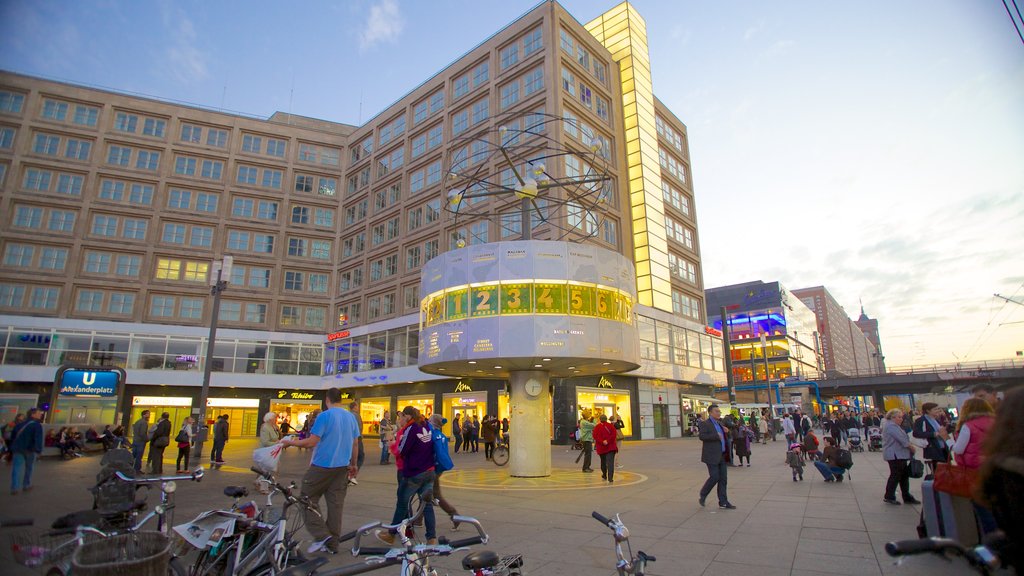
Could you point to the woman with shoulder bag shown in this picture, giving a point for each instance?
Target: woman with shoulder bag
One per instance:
(928, 429)
(976, 419)
(184, 440)
(897, 451)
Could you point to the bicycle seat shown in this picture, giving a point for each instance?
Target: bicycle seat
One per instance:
(236, 491)
(479, 560)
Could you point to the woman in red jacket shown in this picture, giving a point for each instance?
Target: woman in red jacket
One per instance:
(606, 448)
(976, 418)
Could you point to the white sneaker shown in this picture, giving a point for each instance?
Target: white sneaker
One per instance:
(352, 482)
(318, 546)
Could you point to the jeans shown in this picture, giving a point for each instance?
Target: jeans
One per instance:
(217, 454)
(608, 465)
(21, 470)
(828, 471)
(588, 447)
(385, 456)
(458, 441)
(488, 450)
(717, 474)
(362, 454)
(138, 449)
(421, 484)
(899, 473)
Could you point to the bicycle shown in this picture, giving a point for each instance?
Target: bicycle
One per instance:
(625, 564)
(82, 525)
(983, 558)
(255, 542)
(501, 451)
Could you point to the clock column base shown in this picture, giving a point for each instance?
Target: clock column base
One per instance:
(530, 424)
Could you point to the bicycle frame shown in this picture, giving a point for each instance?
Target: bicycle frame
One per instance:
(625, 564)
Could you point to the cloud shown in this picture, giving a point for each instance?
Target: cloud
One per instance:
(185, 62)
(384, 24)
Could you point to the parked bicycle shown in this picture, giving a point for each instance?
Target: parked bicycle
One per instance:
(414, 558)
(501, 451)
(246, 540)
(984, 558)
(625, 564)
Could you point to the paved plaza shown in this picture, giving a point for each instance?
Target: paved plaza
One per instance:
(780, 526)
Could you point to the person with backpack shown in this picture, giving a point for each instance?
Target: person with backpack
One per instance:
(834, 461)
(415, 453)
(161, 439)
(26, 445)
(442, 463)
(184, 441)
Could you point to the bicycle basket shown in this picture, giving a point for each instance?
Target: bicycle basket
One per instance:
(32, 549)
(133, 554)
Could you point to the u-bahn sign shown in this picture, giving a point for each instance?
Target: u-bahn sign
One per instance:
(89, 381)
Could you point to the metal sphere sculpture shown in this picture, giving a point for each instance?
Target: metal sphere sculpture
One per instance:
(517, 172)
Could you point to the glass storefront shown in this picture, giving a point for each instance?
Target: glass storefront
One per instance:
(504, 407)
(244, 416)
(294, 412)
(605, 401)
(465, 403)
(177, 407)
(425, 403)
(75, 411)
(691, 407)
(371, 410)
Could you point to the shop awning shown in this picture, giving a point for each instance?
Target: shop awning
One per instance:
(704, 398)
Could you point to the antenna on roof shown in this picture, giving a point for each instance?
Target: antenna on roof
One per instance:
(291, 96)
(360, 107)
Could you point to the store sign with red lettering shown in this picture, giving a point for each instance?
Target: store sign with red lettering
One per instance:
(338, 335)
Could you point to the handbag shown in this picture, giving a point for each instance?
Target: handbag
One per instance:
(955, 480)
(916, 468)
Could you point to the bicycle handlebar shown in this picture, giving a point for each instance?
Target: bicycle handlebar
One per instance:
(471, 541)
(912, 547)
(597, 516)
(195, 476)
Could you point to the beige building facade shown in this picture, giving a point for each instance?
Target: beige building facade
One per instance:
(115, 207)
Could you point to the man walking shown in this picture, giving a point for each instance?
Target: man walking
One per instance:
(715, 454)
(26, 444)
(220, 438)
(335, 442)
(140, 435)
(353, 407)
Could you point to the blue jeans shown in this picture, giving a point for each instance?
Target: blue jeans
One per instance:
(828, 471)
(407, 487)
(21, 470)
(718, 474)
(138, 449)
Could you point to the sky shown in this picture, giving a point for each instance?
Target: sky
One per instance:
(873, 147)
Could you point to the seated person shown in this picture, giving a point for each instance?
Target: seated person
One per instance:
(811, 446)
(828, 465)
(92, 436)
(107, 438)
(51, 438)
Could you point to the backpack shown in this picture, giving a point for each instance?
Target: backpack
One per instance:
(844, 459)
(442, 460)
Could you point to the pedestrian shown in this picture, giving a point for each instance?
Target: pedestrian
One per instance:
(353, 407)
(805, 426)
(387, 431)
(828, 464)
(220, 439)
(811, 445)
(437, 425)
(184, 441)
(715, 454)
(457, 431)
(140, 435)
(931, 435)
(976, 418)
(587, 438)
(334, 438)
(26, 445)
(286, 428)
(270, 434)
(161, 440)
(475, 434)
(1001, 481)
(604, 435)
(835, 428)
(416, 447)
(620, 436)
(897, 451)
(489, 431)
(762, 427)
(467, 434)
(741, 437)
(788, 429)
(504, 429)
(986, 392)
(795, 460)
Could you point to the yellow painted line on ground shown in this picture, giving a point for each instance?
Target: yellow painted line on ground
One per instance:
(499, 479)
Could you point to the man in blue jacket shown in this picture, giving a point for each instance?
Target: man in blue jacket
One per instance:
(26, 444)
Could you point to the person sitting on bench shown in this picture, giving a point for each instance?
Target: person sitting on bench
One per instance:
(828, 464)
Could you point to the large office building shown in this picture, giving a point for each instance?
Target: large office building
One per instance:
(117, 209)
(848, 348)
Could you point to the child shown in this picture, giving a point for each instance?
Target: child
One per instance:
(795, 461)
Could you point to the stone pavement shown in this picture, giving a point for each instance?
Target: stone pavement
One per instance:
(780, 526)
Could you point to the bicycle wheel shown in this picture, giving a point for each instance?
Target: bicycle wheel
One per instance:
(500, 455)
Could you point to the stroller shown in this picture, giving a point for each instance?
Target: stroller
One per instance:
(853, 439)
(874, 439)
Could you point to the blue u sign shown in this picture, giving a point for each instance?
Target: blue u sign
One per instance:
(85, 382)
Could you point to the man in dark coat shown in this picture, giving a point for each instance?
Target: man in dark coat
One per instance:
(220, 438)
(715, 454)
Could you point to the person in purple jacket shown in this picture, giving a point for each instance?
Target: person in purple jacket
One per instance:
(416, 455)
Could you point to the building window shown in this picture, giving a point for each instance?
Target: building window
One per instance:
(141, 194)
(419, 112)
(211, 169)
(161, 306)
(191, 308)
(533, 42)
(168, 269)
(7, 137)
(96, 263)
(460, 87)
(154, 127)
(230, 311)
(185, 166)
(11, 296)
(238, 240)
(263, 244)
(509, 55)
(480, 74)
(191, 133)
(147, 160)
(321, 249)
(267, 210)
(28, 217)
(298, 247)
(509, 94)
(173, 233)
(61, 221)
(121, 303)
(207, 202)
(11, 102)
(44, 298)
(256, 313)
(436, 102)
(89, 301)
(293, 280)
(128, 265)
(19, 255)
(217, 138)
(685, 305)
(53, 258)
(534, 81)
(103, 225)
(276, 147)
(202, 237)
(124, 122)
(134, 229)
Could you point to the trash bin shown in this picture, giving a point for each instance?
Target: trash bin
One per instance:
(132, 554)
(202, 435)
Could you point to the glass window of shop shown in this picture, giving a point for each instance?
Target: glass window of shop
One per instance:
(425, 403)
(178, 407)
(605, 401)
(468, 404)
(371, 410)
(284, 359)
(251, 355)
(27, 347)
(109, 350)
(292, 411)
(184, 353)
(311, 356)
(504, 406)
(386, 349)
(244, 418)
(70, 348)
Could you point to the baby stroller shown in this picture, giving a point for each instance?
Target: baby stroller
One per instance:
(874, 439)
(854, 441)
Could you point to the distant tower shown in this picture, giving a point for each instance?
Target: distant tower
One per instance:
(869, 327)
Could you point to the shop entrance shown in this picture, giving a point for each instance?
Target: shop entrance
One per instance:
(177, 407)
(606, 409)
(606, 401)
(244, 416)
(294, 412)
(661, 421)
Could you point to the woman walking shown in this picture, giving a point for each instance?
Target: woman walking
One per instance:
(184, 438)
(387, 434)
(897, 451)
(606, 447)
(414, 449)
(270, 434)
(928, 430)
(489, 431)
(976, 418)
(741, 436)
(457, 432)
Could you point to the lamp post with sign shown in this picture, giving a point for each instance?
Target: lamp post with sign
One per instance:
(219, 277)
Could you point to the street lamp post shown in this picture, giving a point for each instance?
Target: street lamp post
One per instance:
(219, 278)
(768, 381)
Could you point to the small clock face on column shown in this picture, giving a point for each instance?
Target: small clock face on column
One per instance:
(533, 387)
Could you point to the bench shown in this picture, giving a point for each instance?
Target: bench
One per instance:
(54, 451)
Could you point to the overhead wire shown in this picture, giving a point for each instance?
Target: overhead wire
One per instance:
(982, 336)
(1010, 14)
